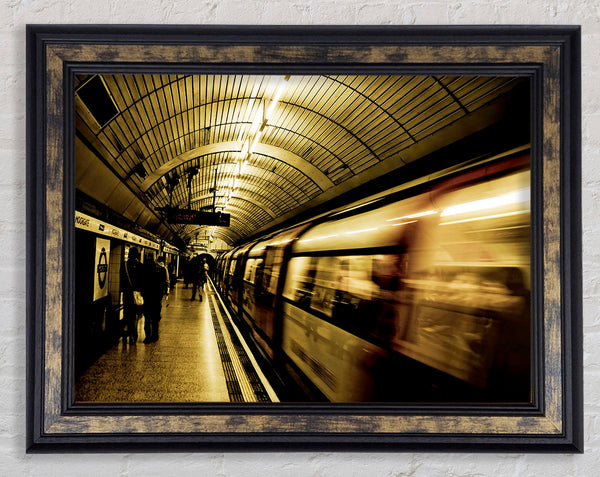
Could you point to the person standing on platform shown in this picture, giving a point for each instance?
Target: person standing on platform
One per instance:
(172, 275)
(186, 268)
(205, 269)
(161, 263)
(156, 287)
(132, 278)
(197, 276)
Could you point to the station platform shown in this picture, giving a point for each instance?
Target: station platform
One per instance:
(200, 356)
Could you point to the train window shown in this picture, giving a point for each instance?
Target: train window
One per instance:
(359, 293)
(352, 289)
(230, 278)
(273, 261)
(248, 270)
(326, 277)
(251, 266)
(362, 295)
(301, 273)
(355, 276)
(232, 266)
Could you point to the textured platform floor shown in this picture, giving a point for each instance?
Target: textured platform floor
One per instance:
(184, 365)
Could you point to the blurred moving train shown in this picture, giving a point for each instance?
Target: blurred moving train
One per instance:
(422, 294)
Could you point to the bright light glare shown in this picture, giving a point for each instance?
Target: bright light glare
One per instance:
(403, 223)
(318, 238)
(515, 197)
(276, 97)
(280, 242)
(245, 149)
(278, 92)
(361, 231)
(495, 216)
(258, 119)
(255, 142)
(413, 216)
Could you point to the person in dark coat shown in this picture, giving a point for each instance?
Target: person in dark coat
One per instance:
(132, 278)
(156, 287)
(160, 261)
(198, 276)
(185, 268)
(172, 275)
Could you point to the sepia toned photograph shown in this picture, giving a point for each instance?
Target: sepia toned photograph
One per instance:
(300, 238)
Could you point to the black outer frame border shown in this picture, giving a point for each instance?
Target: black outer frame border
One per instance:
(303, 34)
(569, 37)
(571, 238)
(35, 222)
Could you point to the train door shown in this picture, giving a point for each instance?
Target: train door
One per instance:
(252, 273)
(269, 280)
(265, 290)
(225, 274)
(231, 285)
(237, 270)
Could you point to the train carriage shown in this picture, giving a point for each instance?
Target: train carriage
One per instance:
(423, 294)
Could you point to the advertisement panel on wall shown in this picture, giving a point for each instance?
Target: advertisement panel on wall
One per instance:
(101, 268)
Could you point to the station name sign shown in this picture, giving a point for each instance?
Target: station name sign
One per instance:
(87, 222)
(197, 217)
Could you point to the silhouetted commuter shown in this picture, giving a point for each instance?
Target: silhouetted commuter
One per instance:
(160, 261)
(172, 275)
(197, 276)
(156, 287)
(132, 278)
(186, 269)
(205, 270)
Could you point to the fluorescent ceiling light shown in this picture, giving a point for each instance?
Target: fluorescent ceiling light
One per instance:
(255, 142)
(245, 149)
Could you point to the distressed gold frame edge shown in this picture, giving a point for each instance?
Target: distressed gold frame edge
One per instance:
(50, 428)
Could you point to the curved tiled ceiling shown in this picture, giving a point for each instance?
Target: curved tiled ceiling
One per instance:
(297, 139)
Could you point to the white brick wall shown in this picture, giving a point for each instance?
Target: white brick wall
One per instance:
(14, 14)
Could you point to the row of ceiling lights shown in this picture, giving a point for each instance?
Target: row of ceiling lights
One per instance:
(249, 139)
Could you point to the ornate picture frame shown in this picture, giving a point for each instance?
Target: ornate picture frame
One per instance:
(549, 56)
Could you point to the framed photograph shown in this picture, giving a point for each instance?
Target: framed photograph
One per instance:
(387, 219)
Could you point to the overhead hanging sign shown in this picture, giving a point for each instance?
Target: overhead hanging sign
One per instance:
(197, 217)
